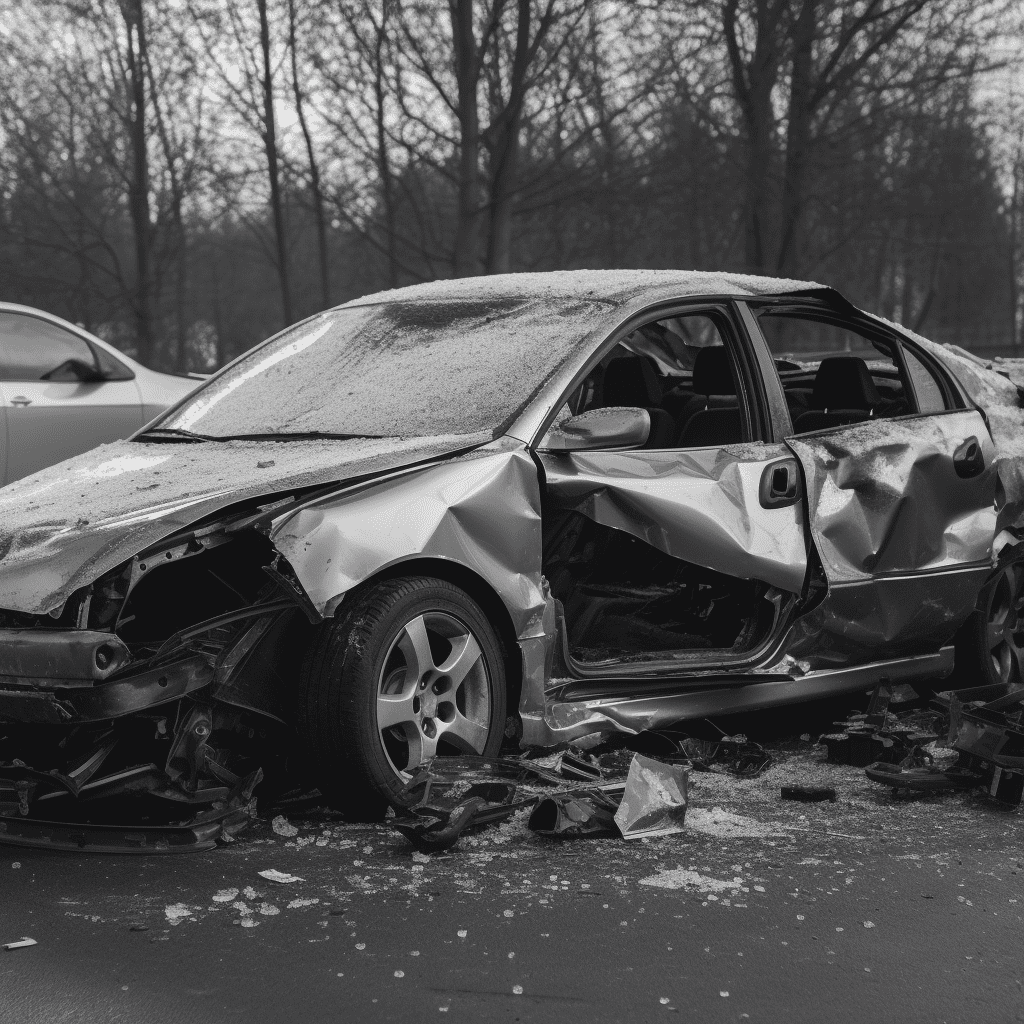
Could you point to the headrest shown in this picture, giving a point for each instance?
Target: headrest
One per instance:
(844, 382)
(712, 374)
(630, 381)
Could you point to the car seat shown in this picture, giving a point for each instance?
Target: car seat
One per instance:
(843, 393)
(713, 415)
(631, 381)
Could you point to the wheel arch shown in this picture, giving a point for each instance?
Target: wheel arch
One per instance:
(478, 589)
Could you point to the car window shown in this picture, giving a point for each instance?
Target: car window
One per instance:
(832, 374)
(929, 392)
(34, 349)
(681, 371)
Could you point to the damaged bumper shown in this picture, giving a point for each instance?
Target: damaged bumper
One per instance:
(49, 701)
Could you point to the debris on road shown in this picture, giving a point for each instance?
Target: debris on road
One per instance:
(283, 827)
(731, 755)
(984, 728)
(282, 877)
(450, 795)
(809, 794)
(889, 731)
(654, 802)
(20, 943)
(582, 812)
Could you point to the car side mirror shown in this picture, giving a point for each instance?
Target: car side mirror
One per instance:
(75, 371)
(597, 429)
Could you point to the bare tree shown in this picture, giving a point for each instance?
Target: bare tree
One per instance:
(312, 162)
(244, 56)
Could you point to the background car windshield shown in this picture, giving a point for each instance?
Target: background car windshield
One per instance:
(402, 369)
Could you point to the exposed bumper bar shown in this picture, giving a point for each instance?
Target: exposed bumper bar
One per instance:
(58, 655)
(57, 704)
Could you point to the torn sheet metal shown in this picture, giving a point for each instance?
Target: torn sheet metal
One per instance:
(481, 512)
(884, 496)
(897, 615)
(654, 801)
(701, 506)
(67, 525)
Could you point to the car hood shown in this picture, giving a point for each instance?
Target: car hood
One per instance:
(65, 526)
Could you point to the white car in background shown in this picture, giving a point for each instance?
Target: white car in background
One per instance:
(64, 391)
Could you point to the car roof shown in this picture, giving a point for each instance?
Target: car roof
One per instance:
(615, 286)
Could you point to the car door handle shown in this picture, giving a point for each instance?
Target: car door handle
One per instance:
(21, 400)
(780, 484)
(969, 459)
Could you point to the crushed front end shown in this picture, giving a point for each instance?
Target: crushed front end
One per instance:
(143, 713)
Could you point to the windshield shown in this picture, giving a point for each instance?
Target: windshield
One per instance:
(401, 369)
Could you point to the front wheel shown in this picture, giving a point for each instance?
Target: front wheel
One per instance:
(411, 669)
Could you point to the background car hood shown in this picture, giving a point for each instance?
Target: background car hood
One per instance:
(63, 527)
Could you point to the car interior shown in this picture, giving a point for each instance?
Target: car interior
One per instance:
(834, 375)
(682, 371)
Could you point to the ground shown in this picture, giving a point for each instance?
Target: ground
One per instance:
(868, 909)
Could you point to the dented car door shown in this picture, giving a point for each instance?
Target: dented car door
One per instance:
(712, 487)
(900, 501)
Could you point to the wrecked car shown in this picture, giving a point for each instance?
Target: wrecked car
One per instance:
(461, 516)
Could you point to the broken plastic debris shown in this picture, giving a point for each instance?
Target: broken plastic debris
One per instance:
(273, 875)
(578, 813)
(21, 943)
(654, 801)
(283, 827)
(809, 794)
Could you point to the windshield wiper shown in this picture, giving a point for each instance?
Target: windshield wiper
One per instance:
(176, 432)
(172, 433)
(304, 435)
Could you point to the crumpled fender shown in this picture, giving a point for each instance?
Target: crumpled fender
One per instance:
(481, 511)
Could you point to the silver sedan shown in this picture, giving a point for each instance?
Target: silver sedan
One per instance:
(64, 391)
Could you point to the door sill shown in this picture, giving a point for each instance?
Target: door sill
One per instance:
(716, 662)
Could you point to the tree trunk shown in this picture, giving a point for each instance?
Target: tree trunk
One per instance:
(465, 253)
(319, 213)
(1015, 215)
(138, 188)
(387, 183)
(505, 151)
(798, 139)
(273, 164)
(753, 84)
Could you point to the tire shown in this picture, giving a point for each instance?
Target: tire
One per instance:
(411, 667)
(990, 647)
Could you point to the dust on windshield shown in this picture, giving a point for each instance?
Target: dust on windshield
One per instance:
(400, 369)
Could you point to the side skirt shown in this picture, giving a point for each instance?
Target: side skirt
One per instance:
(580, 710)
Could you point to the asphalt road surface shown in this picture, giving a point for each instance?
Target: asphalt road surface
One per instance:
(868, 909)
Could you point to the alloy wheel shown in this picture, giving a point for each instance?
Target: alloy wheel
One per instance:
(1005, 625)
(433, 693)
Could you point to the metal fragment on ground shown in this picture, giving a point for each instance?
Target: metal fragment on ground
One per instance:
(654, 801)
(582, 812)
